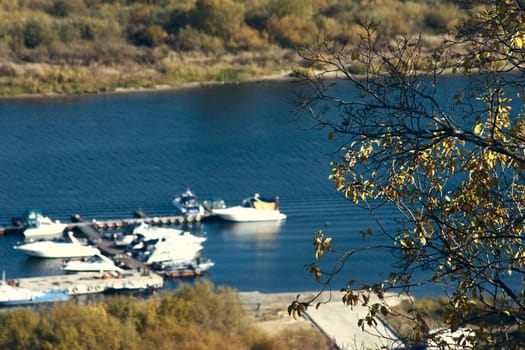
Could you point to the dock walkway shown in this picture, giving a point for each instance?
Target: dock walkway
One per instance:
(114, 224)
(94, 282)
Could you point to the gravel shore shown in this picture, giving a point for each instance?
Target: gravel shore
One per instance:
(269, 310)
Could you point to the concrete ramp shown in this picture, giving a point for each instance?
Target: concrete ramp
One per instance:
(340, 323)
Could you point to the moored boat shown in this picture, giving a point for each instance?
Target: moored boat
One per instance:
(168, 249)
(68, 247)
(145, 232)
(11, 294)
(95, 263)
(188, 204)
(190, 268)
(38, 226)
(252, 209)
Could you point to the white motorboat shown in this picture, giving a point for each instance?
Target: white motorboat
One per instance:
(68, 247)
(252, 209)
(155, 244)
(93, 263)
(146, 232)
(39, 226)
(188, 203)
(11, 294)
(169, 249)
(189, 268)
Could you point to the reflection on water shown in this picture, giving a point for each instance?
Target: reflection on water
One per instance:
(40, 267)
(258, 231)
(131, 151)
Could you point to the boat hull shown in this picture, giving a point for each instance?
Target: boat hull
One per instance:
(242, 214)
(97, 263)
(48, 298)
(73, 268)
(50, 250)
(20, 296)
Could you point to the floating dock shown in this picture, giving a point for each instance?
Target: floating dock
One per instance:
(115, 224)
(154, 221)
(94, 282)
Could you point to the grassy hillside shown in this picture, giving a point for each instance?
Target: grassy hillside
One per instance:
(88, 46)
(192, 317)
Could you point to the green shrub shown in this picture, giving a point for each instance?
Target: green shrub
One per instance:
(248, 39)
(35, 33)
(195, 317)
(68, 32)
(60, 8)
(303, 9)
(191, 39)
(221, 18)
(441, 19)
(17, 329)
(149, 36)
(291, 31)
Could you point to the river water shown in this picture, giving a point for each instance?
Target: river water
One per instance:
(106, 156)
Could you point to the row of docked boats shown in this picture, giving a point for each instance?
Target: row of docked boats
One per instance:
(163, 246)
(252, 209)
(167, 250)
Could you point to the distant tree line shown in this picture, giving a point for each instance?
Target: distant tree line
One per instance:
(108, 31)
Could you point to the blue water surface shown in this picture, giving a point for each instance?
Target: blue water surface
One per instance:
(105, 156)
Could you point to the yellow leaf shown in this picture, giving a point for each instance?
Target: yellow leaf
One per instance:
(477, 129)
(519, 42)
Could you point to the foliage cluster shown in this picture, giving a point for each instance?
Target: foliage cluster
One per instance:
(130, 33)
(232, 24)
(434, 311)
(450, 159)
(193, 317)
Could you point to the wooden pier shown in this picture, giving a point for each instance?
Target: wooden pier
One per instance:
(154, 221)
(124, 260)
(115, 224)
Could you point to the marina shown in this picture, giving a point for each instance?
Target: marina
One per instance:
(130, 273)
(104, 157)
(131, 254)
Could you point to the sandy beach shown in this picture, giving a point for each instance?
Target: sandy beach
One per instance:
(269, 310)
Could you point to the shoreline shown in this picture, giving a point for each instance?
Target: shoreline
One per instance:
(277, 77)
(283, 76)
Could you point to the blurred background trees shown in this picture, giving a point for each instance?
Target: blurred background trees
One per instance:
(208, 26)
(447, 154)
(85, 46)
